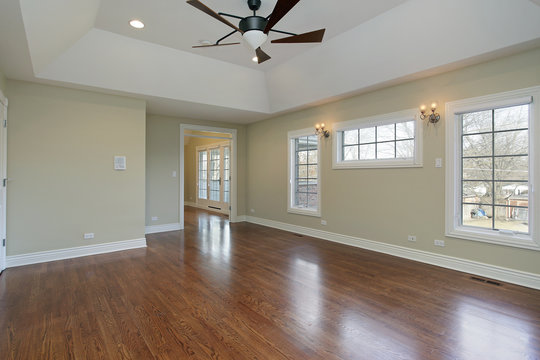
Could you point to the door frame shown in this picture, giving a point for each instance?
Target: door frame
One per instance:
(233, 214)
(207, 202)
(3, 187)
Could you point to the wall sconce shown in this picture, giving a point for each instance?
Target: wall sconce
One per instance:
(319, 130)
(433, 117)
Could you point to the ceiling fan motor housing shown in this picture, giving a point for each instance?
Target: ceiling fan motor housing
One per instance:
(254, 4)
(253, 23)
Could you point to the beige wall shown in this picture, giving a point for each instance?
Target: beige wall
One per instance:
(386, 205)
(3, 83)
(61, 145)
(163, 157)
(190, 164)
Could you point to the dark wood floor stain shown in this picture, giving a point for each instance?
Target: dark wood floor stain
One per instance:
(242, 291)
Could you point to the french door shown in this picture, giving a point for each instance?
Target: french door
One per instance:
(214, 176)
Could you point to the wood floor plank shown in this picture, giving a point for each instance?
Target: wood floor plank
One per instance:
(241, 291)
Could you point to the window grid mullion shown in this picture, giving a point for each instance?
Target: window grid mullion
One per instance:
(395, 141)
(493, 168)
(376, 144)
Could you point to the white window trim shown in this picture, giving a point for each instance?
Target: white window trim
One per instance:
(378, 120)
(453, 170)
(291, 135)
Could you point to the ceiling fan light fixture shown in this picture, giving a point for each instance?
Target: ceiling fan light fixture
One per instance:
(255, 38)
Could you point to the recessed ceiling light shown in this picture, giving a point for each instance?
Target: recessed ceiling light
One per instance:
(137, 24)
(255, 59)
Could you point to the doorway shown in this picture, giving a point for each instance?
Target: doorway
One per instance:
(213, 176)
(213, 183)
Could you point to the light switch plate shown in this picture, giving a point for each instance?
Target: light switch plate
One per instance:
(120, 163)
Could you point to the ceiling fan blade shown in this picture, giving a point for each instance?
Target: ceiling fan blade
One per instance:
(261, 55)
(309, 37)
(204, 46)
(199, 5)
(280, 10)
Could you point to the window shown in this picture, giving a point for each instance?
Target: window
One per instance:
(391, 140)
(304, 173)
(490, 169)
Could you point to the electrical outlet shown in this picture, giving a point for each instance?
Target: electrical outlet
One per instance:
(438, 243)
(411, 237)
(252, 210)
(154, 218)
(174, 174)
(438, 162)
(88, 235)
(323, 222)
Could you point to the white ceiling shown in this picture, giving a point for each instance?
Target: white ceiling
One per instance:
(88, 44)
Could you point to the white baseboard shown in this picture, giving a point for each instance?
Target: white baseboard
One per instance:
(199, 206)
(472, 267)
(152, 229)
(61, 254)
(240, 218)
(192, 204)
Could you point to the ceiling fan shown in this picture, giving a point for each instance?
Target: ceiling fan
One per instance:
(255, 29)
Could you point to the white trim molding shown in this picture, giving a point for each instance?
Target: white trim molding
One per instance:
(467, 266)
(453, 196)
(153, 229)
(240, 218)
(75, 252)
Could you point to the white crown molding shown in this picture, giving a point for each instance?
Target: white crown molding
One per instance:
(153, 229)
(472, 267)
(61, 254)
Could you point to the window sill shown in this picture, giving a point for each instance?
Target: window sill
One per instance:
(315, 213)
(517, 240)
(376, 164)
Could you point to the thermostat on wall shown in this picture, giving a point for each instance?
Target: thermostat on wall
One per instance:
(119, 163)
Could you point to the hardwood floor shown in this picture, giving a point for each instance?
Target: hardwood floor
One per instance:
(242, 291)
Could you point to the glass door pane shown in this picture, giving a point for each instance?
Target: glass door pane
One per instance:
(215, 179)
(226, 174)
(202, 176)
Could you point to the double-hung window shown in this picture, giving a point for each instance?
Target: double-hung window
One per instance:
(304, 191)
(492, 168)
(390, 140)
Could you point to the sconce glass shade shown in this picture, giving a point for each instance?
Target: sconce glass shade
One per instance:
(255, 38)
(320, 130)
